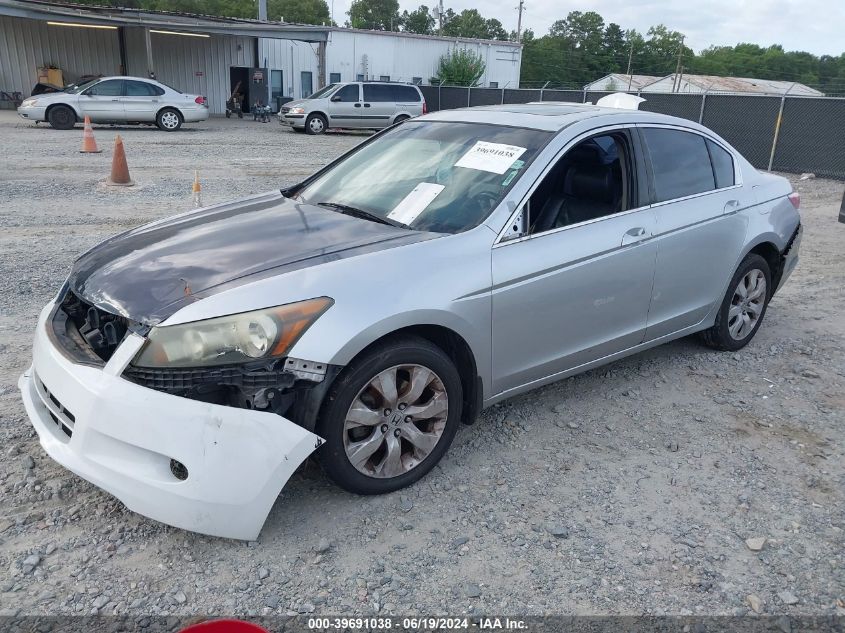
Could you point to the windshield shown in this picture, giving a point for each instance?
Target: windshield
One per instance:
(77, 88)
(430, 175)
(322, 92)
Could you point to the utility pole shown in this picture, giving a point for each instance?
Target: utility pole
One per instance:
(676, 84)
(520, 8)
(440, 18)
(630, 57)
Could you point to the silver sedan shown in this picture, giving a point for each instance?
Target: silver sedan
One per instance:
(443, 265)
(116, 100)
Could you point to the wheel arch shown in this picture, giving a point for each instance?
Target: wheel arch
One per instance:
(169, 107)
(53, 106)
(456, 347)
(766, 247)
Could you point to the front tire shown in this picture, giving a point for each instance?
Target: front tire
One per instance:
(743, 306)
(316, 124)
(61, 117)
(169, 120)
(390, 416)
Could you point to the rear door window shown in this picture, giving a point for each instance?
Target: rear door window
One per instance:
(378, 93)
(141, 89)
(681, 163)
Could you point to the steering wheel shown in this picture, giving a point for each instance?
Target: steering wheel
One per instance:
(485, 200)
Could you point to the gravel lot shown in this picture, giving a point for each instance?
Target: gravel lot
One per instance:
(679, 481)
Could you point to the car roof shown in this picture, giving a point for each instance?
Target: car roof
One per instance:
(148, 80)
(552, 116)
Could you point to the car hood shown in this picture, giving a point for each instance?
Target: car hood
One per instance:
(150, 272)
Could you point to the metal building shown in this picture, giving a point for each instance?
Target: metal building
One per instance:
(211, 56)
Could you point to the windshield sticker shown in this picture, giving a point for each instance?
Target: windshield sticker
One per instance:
(509, 177)
(415, 202)
(518, 164)
(493, 157)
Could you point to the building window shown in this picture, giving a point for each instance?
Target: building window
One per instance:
(384, 78)
(417, 81)
(334, 78)
(276, 84)
(306, 84)
(494, 84)
(359, 77)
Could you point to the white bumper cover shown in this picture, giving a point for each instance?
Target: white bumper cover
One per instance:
(121, 437)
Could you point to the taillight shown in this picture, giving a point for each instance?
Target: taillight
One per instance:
(795, 199)
(425, 107)
(200, 100)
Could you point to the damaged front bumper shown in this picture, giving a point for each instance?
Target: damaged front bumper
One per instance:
(203, 467)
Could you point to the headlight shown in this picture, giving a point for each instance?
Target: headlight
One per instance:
(28, 103)
(297, 110)
(238, 338)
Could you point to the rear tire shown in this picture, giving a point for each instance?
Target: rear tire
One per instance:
(316, 124)
(401, 118)
(169, 120)
(61, 117)
(743, 306)
(377, 444)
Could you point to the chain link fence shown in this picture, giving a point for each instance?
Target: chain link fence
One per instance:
(782, 133)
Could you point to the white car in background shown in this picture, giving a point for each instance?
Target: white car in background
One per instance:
(116, 100)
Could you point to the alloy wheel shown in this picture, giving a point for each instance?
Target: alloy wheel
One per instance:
(747, 304)
(395, 421)
(170, 120)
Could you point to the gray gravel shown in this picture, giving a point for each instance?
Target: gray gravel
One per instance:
(641, 487)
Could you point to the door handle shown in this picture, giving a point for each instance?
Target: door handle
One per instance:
(366, 105)
(731, 206)
(115, 99)
(357, 105)
(635, 236)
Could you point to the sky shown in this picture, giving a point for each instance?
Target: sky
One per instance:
(816, 26)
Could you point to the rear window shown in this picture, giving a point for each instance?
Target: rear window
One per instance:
(681, 163)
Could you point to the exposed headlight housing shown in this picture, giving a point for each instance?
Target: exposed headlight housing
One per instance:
(296, 110)
(237, 338)
(28, 103)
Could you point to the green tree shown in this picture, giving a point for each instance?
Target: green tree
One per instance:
(299, 11)
(379, 15)
(459, 67)
(418, 21)
(470, 23)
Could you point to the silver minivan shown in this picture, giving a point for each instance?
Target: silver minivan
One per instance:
(359, 105)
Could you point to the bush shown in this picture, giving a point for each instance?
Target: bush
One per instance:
(460, 67)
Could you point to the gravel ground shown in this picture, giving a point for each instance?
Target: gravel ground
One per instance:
(680, 481)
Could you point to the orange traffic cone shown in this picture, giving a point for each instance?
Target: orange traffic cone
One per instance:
(119, 169)
(89, 145)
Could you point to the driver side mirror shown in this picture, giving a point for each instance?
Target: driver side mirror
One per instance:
(336, 98)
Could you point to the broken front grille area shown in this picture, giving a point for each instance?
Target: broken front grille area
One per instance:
(86, 333)
(63, 418)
